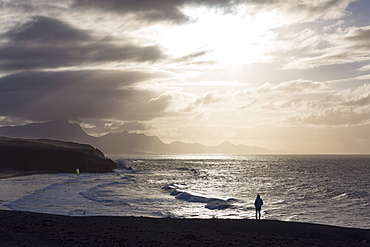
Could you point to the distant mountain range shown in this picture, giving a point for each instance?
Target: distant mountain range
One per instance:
(122, 142)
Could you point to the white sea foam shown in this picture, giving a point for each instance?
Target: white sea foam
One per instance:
(319, 189)
(210, 203)
(338, 197)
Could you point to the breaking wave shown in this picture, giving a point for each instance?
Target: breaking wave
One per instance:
(211, 203)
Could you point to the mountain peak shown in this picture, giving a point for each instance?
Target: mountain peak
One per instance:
(121, 142)
(57, 130)
(226, 144)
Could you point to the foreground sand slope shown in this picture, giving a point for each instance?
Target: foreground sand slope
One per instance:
(33, 229)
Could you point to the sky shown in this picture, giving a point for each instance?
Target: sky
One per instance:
(279, 74)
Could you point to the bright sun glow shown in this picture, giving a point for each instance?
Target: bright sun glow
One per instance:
(236, 38)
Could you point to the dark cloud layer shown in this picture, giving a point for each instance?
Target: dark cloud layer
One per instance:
(359, 38)
(41, 96)
(154, 10)
(45, 42)
(46, 30)
(42, 43)
(170, 10)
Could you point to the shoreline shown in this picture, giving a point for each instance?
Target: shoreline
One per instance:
(4, 174)
(9, 174)
(21, 228)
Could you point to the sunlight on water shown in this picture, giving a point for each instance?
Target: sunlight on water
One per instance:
(319, 189)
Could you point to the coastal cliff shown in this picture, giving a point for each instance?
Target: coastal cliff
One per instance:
(51, 155)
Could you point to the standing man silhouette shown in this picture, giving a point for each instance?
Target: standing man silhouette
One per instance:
(258, 204)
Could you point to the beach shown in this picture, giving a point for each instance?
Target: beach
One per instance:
(94, 209)
(34, 229)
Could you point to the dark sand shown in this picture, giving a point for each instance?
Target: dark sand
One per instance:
(33, 229)
(4, 173)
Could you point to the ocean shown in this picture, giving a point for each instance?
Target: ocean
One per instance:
(324, 189)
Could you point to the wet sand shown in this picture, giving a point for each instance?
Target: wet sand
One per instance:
(14, 173)
(34, 229)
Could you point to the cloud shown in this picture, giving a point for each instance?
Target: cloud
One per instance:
(172, 11)
(339, 115)
(294, 103)
(299, 85)
(157, 104)
(42, 96)
(346, 107)
(360, 97)
(343, 97)
(359, 34)
(192, 56)
(287, 88)
(348, 46)
(143, 9)
(301, 102)
(306, 39)
(365, 68)
(290, 13)
(153, 10)
(45, 42)
(203, 101)
(103, 126)
(329, 9)
(134, 125)
(46, 30)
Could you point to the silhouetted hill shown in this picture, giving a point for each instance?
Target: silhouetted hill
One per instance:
(122, 142)
(54, 130)
(51, 155)
(187, 148)
(239, 149)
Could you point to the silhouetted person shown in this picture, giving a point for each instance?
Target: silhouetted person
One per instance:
(258, 204)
